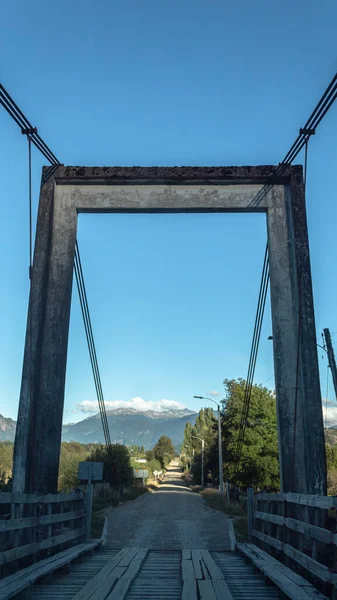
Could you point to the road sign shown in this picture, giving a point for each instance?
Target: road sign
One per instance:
(140, 473)
(90, 470)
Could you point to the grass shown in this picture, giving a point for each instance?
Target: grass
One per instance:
(234, 510)
(196, 489)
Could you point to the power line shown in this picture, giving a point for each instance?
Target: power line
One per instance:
(33, 137)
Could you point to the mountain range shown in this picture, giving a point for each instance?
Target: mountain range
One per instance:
(132, 427)
(126, 425)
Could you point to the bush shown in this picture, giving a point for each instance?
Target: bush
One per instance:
(153, 465)
(72, 453)
(218, 501)
(117, 470)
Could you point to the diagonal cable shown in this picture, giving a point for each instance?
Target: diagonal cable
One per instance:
(33, 137)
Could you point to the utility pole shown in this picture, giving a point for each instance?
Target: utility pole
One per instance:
(220, 452)
(221, 488)
(331, 357)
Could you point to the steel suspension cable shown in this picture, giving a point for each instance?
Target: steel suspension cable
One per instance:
(91, 342)
(33, 137)
(252, 360)
(309, 129)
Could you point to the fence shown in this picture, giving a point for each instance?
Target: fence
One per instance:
(300, 531)
(33, 527)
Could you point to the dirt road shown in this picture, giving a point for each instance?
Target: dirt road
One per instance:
(171, 518)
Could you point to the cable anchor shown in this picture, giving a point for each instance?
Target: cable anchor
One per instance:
(28, 131)
(307, 131)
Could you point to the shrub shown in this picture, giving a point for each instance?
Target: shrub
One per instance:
(117, 470)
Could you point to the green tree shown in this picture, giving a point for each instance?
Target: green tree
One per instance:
(117, 468)
(164, 450)
(149, 455)
(72, 453)
(187, 446)
(205, 428)
(259, 465)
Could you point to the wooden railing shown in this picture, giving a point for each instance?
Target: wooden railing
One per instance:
(300, 530)
(33, 527)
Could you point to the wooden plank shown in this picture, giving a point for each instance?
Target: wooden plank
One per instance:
(129, 557)
(103, 589)
(308, 563)
(204, 570)
(120, 590)
(263, 516)
(222, 590)
(106, 571)
(206, 590)
(270, 497)
(278, 565)
(9, 498)
(135, 564)
(12, 585)
(43, 520)
(196, 559)
(324, 502)
(186, 554)
(187, 569)
(267, 539)
(279, 574)
(132, 570)
(318, 533)
(189, 590)
(22, 551)
(213, 569)
(118, 572)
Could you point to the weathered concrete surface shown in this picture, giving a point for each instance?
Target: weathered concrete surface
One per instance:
(171, 518)
(163, 189)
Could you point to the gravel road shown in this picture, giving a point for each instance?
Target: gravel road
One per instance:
(170, 518)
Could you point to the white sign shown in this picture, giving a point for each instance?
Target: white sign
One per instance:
(140, 473)
(156, 473)
(90, 470)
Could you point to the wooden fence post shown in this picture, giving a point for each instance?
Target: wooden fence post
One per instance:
(89, 501)
(250, 512)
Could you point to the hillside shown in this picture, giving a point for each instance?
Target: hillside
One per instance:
(131, 427)
(7, 429)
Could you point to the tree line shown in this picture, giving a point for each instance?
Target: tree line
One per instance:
(259, 465)
(118, 462)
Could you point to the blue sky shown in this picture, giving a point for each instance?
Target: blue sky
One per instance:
(172, 297)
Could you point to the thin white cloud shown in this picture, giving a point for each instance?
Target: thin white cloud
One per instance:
(214, 393)
(91, 406)
(329, 412)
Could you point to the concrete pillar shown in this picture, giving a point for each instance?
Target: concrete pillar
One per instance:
(39, 427)
(299, 404)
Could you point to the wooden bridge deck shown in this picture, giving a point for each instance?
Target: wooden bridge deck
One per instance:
(161, 575)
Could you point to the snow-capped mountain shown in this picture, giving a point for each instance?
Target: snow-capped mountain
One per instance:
(131, 426)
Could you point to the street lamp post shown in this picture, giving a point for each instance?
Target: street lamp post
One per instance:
(221, 488)
(202, 457)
